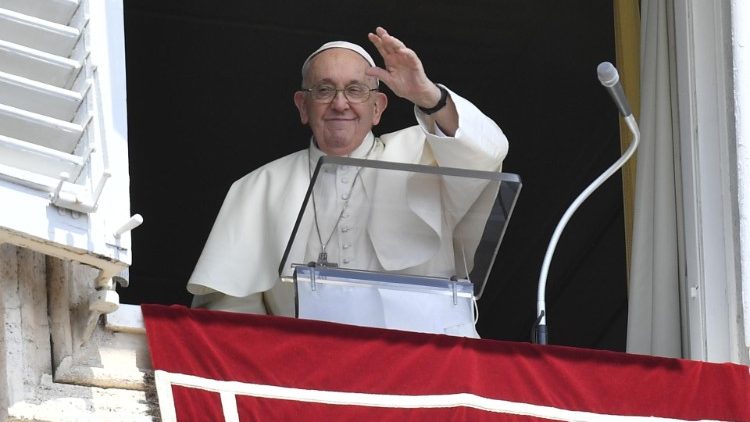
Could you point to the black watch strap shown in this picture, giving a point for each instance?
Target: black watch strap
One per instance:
(441, 103)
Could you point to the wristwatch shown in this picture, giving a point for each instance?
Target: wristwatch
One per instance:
(440, 104)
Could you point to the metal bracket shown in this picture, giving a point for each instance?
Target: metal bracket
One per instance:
(75, 200)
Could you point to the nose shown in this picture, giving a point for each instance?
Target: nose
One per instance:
(339, 101)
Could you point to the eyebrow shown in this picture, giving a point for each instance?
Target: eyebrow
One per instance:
(329, 81)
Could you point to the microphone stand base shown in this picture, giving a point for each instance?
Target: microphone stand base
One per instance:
(540, 334)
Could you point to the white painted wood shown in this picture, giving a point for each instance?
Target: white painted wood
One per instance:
(37, 97)
(703, 67)
(37, 65)
(33, 224)
(58, 11)
(37, 33)
(39, 129)
(40, 160)
(741, 79)
(26, 179)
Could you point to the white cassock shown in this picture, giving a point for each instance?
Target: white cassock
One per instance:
(238, 269)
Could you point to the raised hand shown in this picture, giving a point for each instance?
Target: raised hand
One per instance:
(403, 73)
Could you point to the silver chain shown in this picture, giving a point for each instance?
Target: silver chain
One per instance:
(323, 256)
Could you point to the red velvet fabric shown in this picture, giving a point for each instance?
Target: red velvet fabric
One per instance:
(315, 355)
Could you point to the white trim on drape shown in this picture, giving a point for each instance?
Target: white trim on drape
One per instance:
(654, 326)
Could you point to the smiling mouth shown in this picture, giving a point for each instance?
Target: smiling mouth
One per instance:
(339, 123)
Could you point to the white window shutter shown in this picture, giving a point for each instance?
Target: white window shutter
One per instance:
(64, 184)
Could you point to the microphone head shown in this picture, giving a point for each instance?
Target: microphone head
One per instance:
(607, 73)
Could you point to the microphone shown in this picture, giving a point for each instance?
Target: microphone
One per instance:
(610, 79)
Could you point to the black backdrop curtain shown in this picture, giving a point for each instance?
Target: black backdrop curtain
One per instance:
(210, 88)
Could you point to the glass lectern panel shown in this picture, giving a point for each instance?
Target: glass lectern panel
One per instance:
(397, 246)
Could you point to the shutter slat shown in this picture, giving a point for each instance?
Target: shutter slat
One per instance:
(37, 159)
(26, 178)
(38, 97)
(37, 65)
(39, 129)
(58, 11)
(36, 33)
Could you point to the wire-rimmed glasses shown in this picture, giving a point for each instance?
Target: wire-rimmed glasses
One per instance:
(325, 93)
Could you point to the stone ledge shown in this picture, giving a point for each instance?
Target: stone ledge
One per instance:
(55, 402)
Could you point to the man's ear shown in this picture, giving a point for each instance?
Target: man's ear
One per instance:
(380, 103)
(299, 101)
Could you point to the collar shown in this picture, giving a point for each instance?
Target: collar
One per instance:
(359, 152)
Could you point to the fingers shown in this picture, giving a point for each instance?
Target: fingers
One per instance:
(379, 73)
(384, 42)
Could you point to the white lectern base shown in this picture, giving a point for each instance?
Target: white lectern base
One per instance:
(374, 303)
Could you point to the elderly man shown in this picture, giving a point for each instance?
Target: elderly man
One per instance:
(340, 102)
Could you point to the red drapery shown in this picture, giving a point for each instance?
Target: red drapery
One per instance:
(221, 365)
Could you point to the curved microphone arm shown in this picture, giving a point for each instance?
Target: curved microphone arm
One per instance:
(541, 323)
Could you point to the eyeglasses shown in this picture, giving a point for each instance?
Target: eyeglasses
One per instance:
(354, 93)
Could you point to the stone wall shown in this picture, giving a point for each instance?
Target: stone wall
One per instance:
(49, 370)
